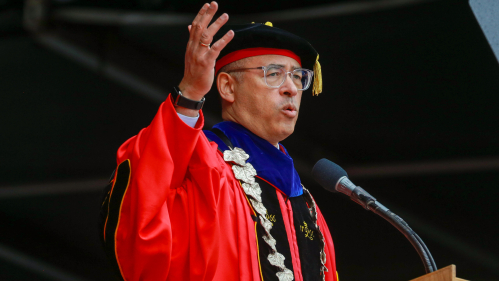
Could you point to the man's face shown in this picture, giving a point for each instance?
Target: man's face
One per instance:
(269, 113)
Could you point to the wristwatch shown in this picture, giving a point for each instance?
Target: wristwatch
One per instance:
(180, 100)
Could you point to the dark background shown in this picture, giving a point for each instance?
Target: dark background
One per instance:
(409, 109)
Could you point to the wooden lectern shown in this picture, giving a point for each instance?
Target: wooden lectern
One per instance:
(444, 274)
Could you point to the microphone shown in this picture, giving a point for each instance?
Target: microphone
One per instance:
(333, 178)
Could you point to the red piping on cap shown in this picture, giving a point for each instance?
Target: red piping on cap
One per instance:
(252, 52)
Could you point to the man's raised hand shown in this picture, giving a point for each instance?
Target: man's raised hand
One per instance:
(200, 57)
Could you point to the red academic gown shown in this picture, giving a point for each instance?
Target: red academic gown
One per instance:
(178, 213)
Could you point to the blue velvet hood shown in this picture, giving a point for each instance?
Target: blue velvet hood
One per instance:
(269, 162)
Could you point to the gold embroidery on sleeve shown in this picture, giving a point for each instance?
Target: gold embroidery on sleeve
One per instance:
(309, 233)
(270, 217)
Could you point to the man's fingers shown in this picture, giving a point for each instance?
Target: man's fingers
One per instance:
(214, 27)
(201, 12)
(208, 16)
(203, 23)
(198, 18)
(219, 45)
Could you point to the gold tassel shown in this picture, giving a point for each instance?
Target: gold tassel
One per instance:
(317, 88)
(269, 24)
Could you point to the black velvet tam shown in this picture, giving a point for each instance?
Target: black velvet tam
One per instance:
(257, 35)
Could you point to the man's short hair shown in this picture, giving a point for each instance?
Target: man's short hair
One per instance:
(238, 75)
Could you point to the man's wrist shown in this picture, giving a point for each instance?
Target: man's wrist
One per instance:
(179, 99)
(189, 94)
(188, 91)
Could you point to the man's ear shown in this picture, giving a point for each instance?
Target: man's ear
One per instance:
(226, 85)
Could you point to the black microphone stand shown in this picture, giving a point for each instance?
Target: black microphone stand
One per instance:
(361, 197)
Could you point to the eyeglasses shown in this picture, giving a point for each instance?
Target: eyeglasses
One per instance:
(275, 76)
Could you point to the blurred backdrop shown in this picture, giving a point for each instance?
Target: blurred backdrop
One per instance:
(409, 109)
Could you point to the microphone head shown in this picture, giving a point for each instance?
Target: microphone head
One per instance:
(327, 174)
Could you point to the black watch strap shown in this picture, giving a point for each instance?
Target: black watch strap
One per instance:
(180, 100)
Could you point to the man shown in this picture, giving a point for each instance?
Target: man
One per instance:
(225, 204)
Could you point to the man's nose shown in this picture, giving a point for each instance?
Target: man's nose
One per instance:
(288, 87)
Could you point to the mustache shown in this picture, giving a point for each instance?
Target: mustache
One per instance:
(288, 103)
